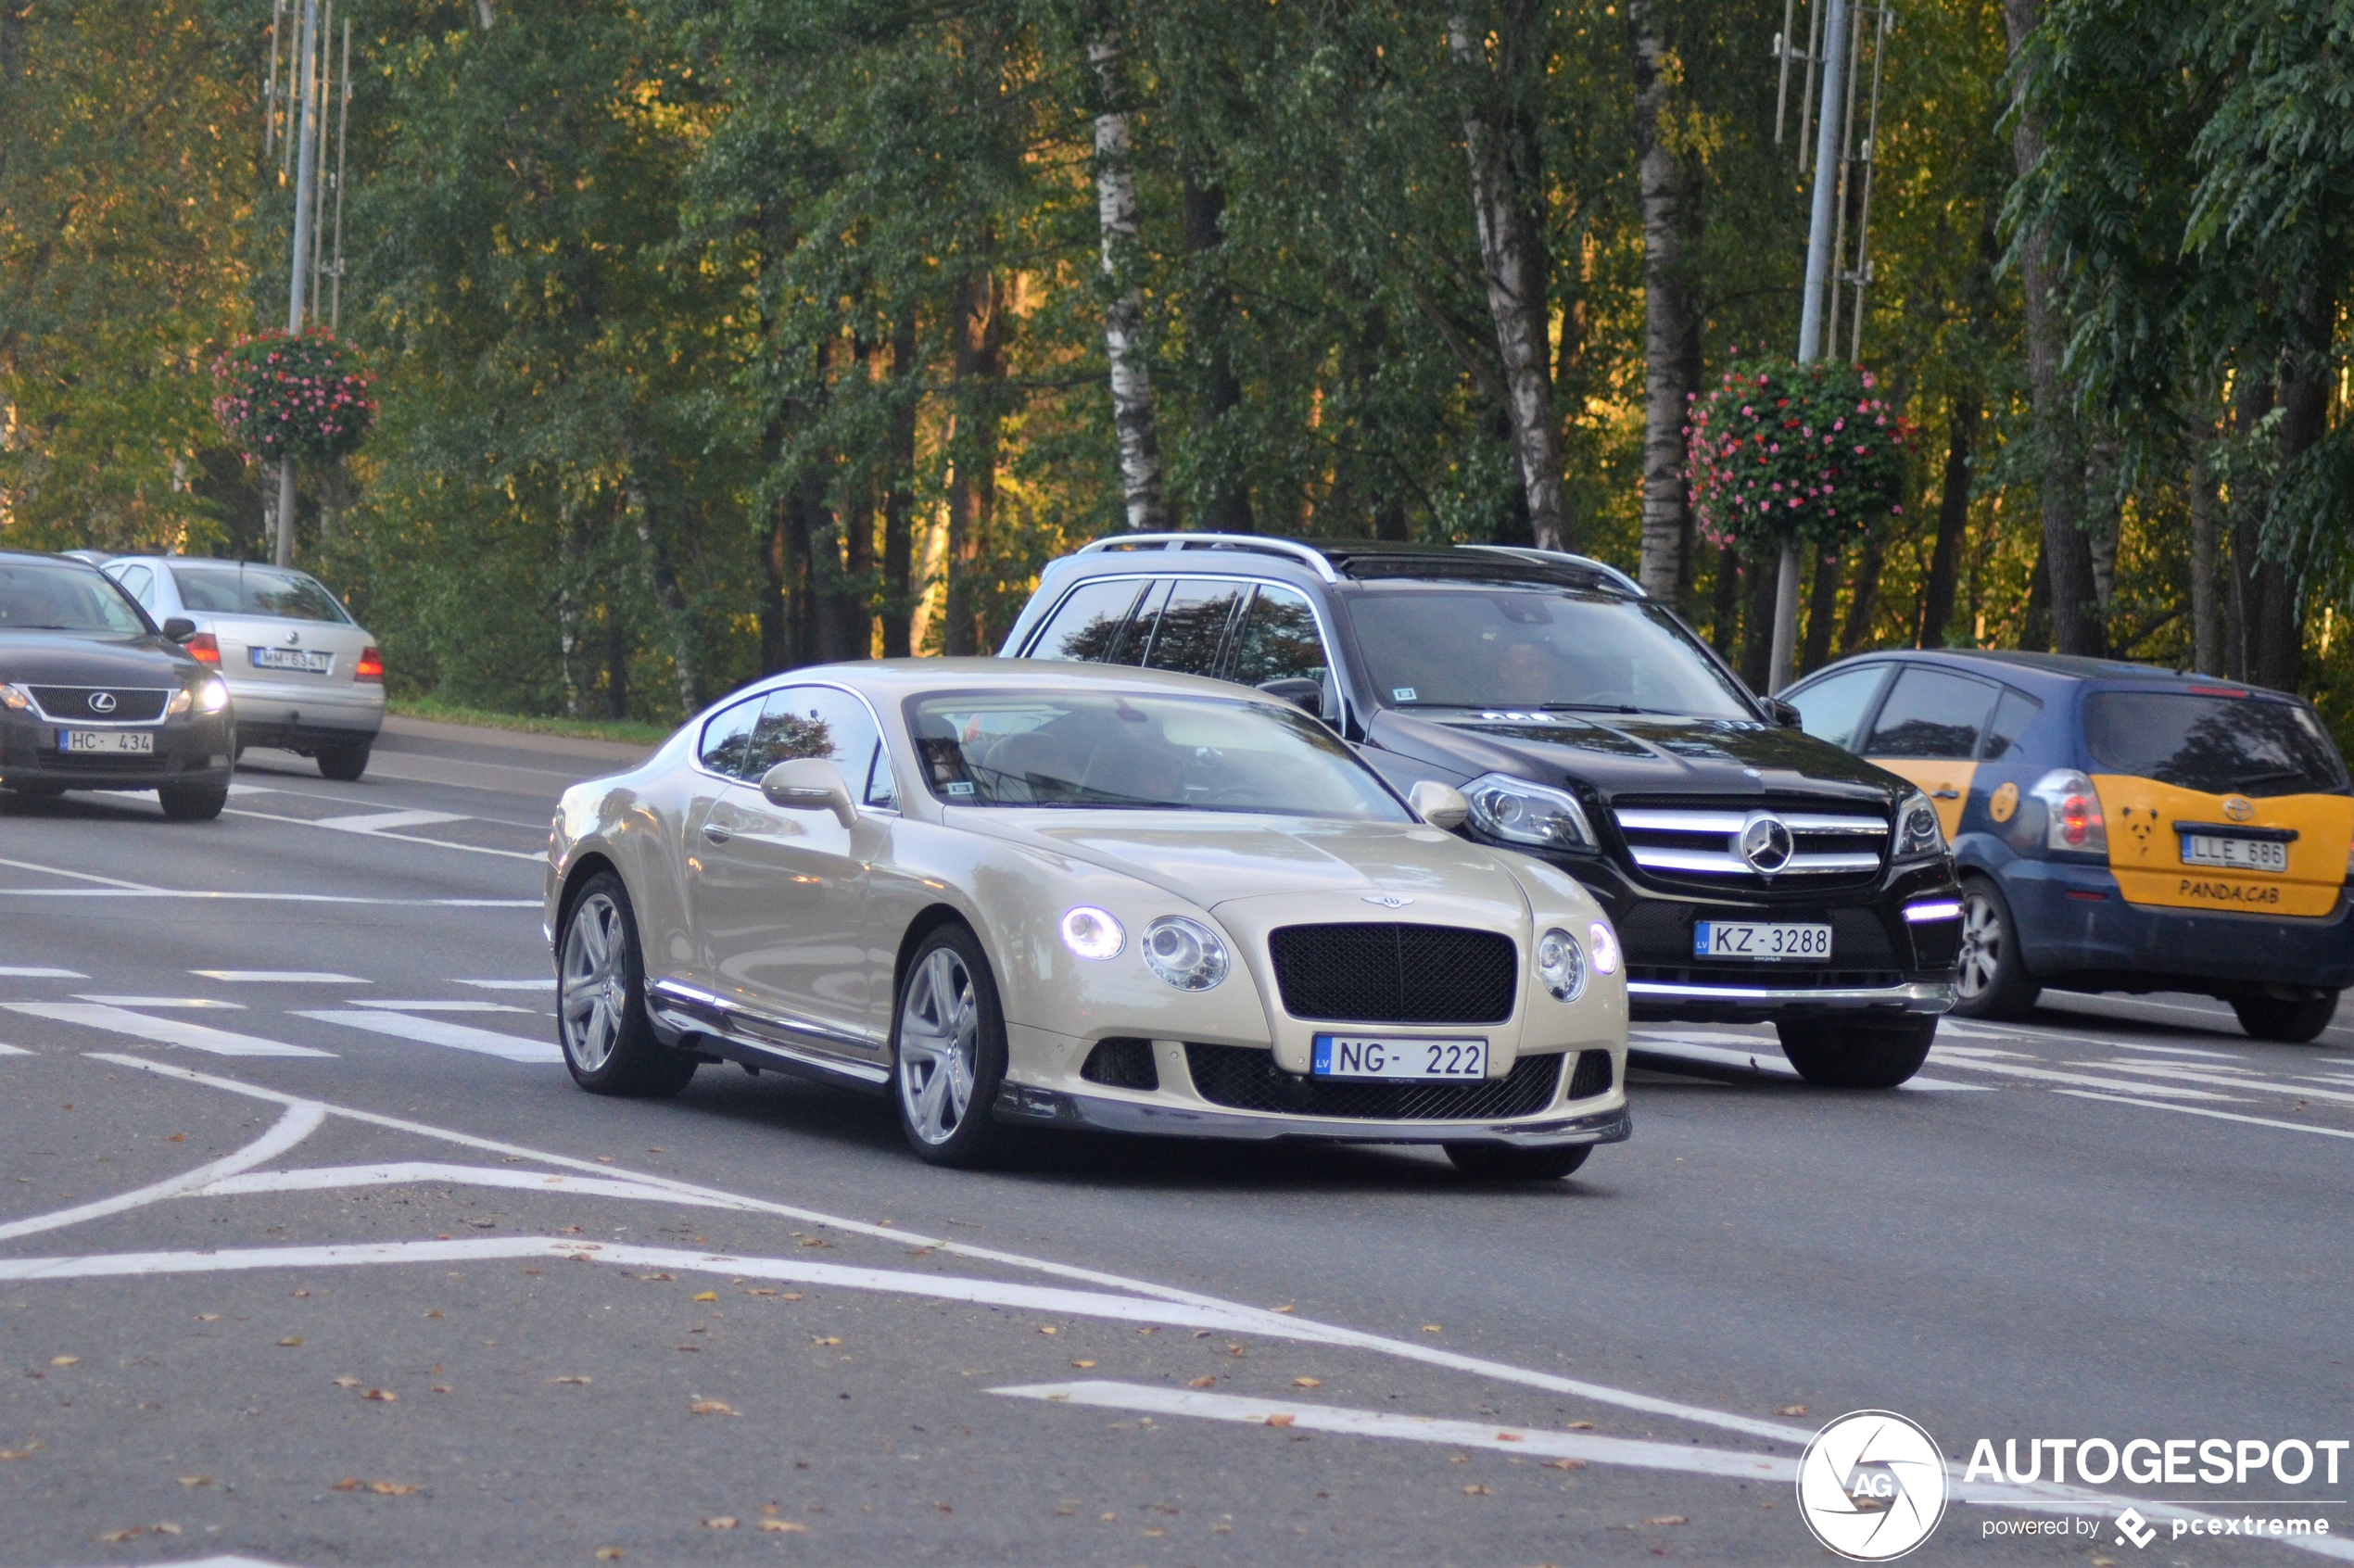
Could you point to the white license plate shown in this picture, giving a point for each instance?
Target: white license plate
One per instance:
(116, 742)
(1748, 939)
(291, 659)
(1365, 1055)
(2239, 854)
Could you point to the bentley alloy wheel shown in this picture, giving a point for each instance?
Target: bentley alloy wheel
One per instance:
(949, 1049)
(608, 1042)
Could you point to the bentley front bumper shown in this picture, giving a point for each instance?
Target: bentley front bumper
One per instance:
(1028, 1106)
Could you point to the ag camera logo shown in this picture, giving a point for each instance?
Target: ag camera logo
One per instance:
(1871, 1486)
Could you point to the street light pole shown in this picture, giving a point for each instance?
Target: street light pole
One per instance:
(1827, 126)
(306, 178)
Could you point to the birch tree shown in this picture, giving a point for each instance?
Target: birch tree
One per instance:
(1124, 346)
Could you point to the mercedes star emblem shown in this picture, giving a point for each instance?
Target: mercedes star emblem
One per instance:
(1766, 842)
(102, 701)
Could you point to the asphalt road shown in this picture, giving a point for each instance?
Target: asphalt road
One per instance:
(310, 1253)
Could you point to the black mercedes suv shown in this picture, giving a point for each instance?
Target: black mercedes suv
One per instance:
(1754, 873)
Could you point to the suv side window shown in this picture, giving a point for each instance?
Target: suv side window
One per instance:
(1087, 627)
(1931, 712)
(2012, 715)
(722, 748)
(1279, 639)
(1142, 627)
(1193, 625)
(821, 721)
(1832, 710)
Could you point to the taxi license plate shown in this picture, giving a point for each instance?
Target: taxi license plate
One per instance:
(1363, 1055)
(120, 743)
(291, 659)
(2237, 854)
(1745, 938)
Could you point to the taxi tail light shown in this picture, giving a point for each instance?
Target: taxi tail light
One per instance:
(204, 647)
(2072, 807)
(371, 667)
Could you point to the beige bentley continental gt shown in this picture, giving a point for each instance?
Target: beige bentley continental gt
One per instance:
(1016, 895)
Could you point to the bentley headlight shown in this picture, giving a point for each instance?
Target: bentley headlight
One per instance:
(213, 695)
(1186, 953)
(1521, 812)
(1560, 964)
(1918, 837)
(1603, 942)
(1093, 933)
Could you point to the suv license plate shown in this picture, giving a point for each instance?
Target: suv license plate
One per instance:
(2238, 855)
(118, 741)
(291, 659)
(1743, 939)
(1362, 1056)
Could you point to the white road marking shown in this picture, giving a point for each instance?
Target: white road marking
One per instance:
(163, 1031)
(2195, 1075)
(1768, 1061)
(436, 1031)
(33, 972)
(1975, 1063)
(402, 1173)
(377, 821)
(347, 825)
(279, 976)
(284, 897)
(159, 1001)
(2174, 1050)
(2220, 1116)
(14, 1051)
(1531, 1441)
(546, 985)
(442, 1006)
(301, 1119)
(1255, 1319)
(77, 876)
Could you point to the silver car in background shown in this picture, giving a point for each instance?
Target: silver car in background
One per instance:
(302, 673)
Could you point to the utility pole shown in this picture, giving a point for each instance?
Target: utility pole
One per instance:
(306, 180)
(1829, 123)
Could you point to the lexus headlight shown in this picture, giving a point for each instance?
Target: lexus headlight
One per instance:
(179, 702)
(1093, 933)
(1521, 812)
(1185, 953)
(212, 696)
(1918, 836)
(1560, 964)
(13, 698)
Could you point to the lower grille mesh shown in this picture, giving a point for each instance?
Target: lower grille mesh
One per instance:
(1246, 1079)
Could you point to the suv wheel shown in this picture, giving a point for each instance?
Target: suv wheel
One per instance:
(1851, 1054)
(2297, 1022)
(1989, 977)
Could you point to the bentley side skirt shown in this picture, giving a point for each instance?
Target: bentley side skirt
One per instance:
(699, 1019)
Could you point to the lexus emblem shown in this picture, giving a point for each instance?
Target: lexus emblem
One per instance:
(102, 701)
(2238, 809)
(1766, 842)
(1388, 900)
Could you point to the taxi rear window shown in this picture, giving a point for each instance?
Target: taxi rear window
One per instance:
(2218, 744)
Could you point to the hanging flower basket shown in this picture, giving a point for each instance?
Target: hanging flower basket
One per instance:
(1780, 453)
(302, 395)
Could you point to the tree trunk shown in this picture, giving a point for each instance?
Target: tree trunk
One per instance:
(776, 590)
(899, 495)
(1671, 197)
(1759, 577)
(2253, 401)
(1863, 604)
(2276, 652)
(616, 663)
(669, 597)
(1204, 202)
(976, 363)
(1724, 608)
(1822, 613)
(2067, 554)
(2207, 601)
(1508, 197)
(1132, 386)
(2105, 515)
(2035, 626)
(1953, 522)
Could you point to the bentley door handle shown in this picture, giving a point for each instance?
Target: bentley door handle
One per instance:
(1940, 794)
(716, 833)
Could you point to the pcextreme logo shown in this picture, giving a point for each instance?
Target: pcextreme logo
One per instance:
(1871, 1486)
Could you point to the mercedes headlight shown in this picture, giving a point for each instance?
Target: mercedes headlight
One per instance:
(1521, 812)
(1186, 953)
(1094, 933)
(1560, 964)
(1918, 836)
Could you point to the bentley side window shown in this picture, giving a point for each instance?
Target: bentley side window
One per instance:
(722, 750)
(820, 721)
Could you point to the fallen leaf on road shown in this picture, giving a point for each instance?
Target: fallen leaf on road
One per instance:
(721, 1521)
(382, 1396)
(1565, 1464)
(827, 1339)
(177, 1138)
(1237, 1350)
(604, 1159)
(792, 1296)
(760, 1292)
(782, 1526)
(1280, 1419)
(1308, 1382)
(1286, 1309)
(1477, 1490)
(120, 1534)
(1048, 1328)
(1083, 1365)
(815, 1240)
(921, 1252)
(654, 1276)
(207, 1317)
(569, 1230)
(1581, 1426)
(394, 1489)
(705, 1296)
(1202, 1382)
(1432, 1328)
(433, 1312)
(441, 1388)
(291, 1339)
(25, 1452)
(1111, 1518)
(691, 1349)
(570, 1379)
(608, 1554)
(347, 1383)
(1792, 1409)
(1508, 1437)
(65, 1360)
(195, 1480)
(302, 1293)
(708, 1406)
(349, 1483)
(165, 1528)
(1664, 1519)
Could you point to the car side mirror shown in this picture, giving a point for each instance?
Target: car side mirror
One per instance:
(1299, 691)
(1784, 713)
(180, 629)
(809, 784)
(1441, 805)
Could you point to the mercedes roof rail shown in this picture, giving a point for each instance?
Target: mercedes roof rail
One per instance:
(1306, 555)
(1562, 558)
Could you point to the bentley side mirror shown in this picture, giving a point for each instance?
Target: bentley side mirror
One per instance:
(180, 629)
(1784, 713)
(809, 784)
(1441, 805)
